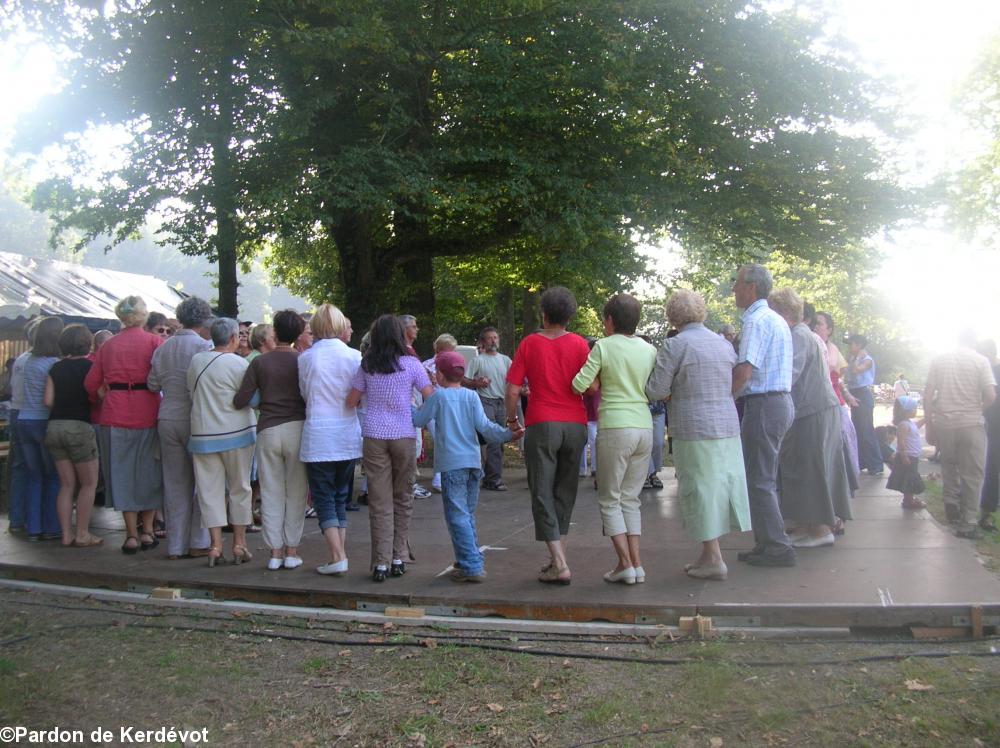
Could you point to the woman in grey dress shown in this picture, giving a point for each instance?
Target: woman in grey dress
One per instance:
(812, 475)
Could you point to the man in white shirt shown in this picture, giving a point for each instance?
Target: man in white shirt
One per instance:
(487, 374)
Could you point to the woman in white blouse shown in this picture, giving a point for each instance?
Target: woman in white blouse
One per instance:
(331, 437)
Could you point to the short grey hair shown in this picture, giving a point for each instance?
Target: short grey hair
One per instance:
(445, 339)
(193, 312)
(224, 329)
(406, 319)
(685, 307)
(787, 303)
(760, 276)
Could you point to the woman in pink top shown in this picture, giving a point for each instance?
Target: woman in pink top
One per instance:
(129, 447)
(556, 423)
(388, 376)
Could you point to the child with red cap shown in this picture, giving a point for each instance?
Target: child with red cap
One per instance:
(458, 415)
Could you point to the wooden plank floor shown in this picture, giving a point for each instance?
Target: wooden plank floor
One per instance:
(892, 568)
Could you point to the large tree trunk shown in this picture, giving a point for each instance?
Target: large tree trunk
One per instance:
(224, 200)
(418, 299)
(505, 320)
(530, 317)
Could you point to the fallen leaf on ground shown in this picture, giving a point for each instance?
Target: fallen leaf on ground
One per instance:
(495, 708)
(429, 643)
(715, 742)
(536, 683)
(915, 685)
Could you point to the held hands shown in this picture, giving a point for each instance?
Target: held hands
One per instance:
(516, 428)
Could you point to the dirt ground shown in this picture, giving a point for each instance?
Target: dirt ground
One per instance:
(268, 680)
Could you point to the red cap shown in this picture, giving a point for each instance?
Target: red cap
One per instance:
(451, 364)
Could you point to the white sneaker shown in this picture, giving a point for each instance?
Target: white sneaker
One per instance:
(640, 575)
(273, 564)
(419, 492)
(292, 562)
(338, 569)
(811, 542)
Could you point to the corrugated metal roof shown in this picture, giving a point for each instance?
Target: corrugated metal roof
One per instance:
(31, 285)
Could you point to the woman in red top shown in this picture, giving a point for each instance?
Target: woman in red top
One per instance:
(556, 423)
(129, 447)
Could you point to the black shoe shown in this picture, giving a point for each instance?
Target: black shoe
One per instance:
(755, 551)
(772, 559)
(379, 574)
(33, 538)
(397, 570)
(498, 486)
(654, 481)
(363, 499)
(952, 513)
(353, 507)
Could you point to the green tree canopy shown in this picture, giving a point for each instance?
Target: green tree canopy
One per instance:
(369, 137)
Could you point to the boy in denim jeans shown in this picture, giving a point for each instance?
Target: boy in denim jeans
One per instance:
(458, 415)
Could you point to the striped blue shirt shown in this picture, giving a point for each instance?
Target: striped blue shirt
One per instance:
(766, 344)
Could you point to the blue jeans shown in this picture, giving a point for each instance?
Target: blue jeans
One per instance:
(42, 484)
(331, 484)
(659, 434)
(460, 494)
(18, 475)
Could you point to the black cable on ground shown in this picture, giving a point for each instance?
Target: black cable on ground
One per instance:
(597, 657)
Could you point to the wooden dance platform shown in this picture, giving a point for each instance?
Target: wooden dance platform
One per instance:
(892, 569)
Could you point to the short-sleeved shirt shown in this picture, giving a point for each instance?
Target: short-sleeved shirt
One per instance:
(387, 413)
(492, 365)
(275, 375)
(954, 388)
(866, 378)
(623, 364)
(766, 344)
(695, 369)
(36, 371)
(550, 364)
(70, 401)
(125, 361)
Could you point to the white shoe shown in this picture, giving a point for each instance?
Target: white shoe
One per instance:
(625, 576)
(338, 569)
(273, 564)
(811, 542)
(640, 575)
(419, 492)
(718, 573)
(292, 562)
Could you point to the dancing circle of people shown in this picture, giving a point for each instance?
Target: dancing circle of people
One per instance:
(191, 419)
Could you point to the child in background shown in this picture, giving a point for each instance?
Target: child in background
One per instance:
(905, 477)
(458, 415)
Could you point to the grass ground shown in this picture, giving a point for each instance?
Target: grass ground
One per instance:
(257, 680)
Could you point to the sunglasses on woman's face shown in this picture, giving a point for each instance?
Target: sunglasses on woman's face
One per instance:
(163, 330)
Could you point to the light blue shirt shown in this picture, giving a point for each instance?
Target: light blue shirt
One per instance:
(458, 414)
(36, 371)
(865, 378)
(766, 344)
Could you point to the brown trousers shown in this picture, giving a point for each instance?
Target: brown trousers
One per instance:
(389, 465)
